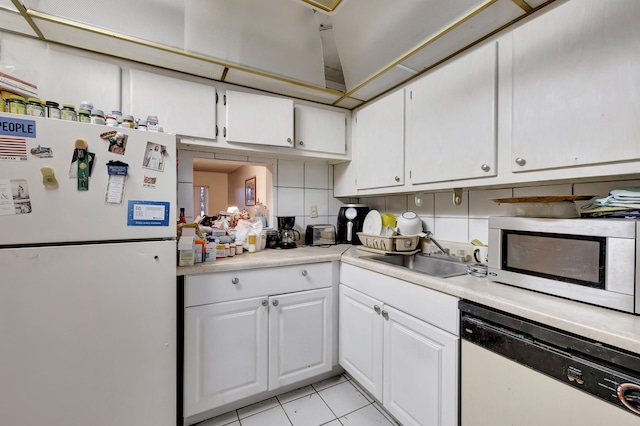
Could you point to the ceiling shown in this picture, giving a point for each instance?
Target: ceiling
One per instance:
(345, 58)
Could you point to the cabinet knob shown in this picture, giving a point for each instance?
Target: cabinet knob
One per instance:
(521, 161)
(275, 302)
(289, 140)
(265, 302)
(377, 309)
(301, 143)
(304, 273)
(385, 315)
(397, 178)
(235, 280)
(485, 167)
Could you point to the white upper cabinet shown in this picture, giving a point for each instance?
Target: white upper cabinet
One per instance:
(451, 120)
(182, 107)
(379, 147)
(258, 119)
(576, 86)
(320, 130)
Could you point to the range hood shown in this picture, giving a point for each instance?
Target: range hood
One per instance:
(345, 57)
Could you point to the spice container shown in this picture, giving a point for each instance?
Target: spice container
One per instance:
(36, 107)
(53, 109)
(127, 122)
(152, 123)
(97, 116)
(14, 104)
(84, 116)
(251, 239)
(142, 125)
(69, 112)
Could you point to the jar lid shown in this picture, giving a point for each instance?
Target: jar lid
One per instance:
(36, 100)
(14, 98)
(83, 112)
(52, 104)
(68, 106)
(142, 123)
(127, 117)
(97, 112)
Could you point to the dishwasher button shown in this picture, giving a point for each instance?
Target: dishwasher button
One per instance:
(575, 375)
(629, 394)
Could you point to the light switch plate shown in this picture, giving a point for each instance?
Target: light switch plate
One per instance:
(314, 211)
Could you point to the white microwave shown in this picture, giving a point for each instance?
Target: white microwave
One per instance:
(589, 260)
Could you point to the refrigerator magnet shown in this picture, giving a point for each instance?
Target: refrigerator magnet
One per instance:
(117, 141)
(116, 182)
(148, 213)
(81, 164)
(155, 156)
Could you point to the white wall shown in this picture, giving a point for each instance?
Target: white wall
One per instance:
(218, 184)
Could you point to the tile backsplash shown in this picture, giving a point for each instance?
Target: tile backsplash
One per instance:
(298, 185)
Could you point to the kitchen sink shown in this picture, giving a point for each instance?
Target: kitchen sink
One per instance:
(426, 264)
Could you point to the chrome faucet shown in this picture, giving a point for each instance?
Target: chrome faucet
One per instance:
(446, 251)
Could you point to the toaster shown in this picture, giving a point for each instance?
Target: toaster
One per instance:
(320, 235)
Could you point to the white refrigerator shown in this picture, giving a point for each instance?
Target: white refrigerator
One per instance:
(87, 274)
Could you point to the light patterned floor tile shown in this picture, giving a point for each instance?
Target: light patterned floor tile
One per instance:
(343, 398)
(367, 416)
(295, 394)
(362, 391)
(257, 407)
(309, 410)
(335, 422)
(332, 381)
(272, 417)
(387, 415)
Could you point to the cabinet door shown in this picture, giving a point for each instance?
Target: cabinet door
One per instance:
(420, 371)
(258, 119)
(183, 107)
(575, 86)
(300, 336)
(360, 339)
(380, 145)
(226, 353)
(451, 120)
(320, 130)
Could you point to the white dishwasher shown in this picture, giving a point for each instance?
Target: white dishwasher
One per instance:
(517, 372)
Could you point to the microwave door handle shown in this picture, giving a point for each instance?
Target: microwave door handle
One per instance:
(349, 229)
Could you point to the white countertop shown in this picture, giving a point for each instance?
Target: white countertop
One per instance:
(605, 325)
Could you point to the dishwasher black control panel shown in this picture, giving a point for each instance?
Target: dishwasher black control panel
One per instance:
(603, 371)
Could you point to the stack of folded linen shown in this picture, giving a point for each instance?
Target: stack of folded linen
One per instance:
(621, 202)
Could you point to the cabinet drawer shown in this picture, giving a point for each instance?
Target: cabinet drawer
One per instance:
(235, 285)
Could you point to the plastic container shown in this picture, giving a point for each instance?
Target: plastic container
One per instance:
(14, 104)
(127, 122)
(252, 240)
(53, 109)
(142, 125)
(36, 107)
(69, 112)
(97, 117)
(84, 116)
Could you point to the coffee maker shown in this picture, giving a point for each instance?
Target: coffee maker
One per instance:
(287, 233)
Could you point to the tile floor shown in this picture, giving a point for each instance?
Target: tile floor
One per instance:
(337, 401)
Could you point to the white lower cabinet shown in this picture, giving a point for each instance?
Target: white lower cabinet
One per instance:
(405, 362)
(234, 349)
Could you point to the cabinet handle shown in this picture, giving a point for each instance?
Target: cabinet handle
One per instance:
(275, 302)
(235, 280)
(289, 140)
(301, 143)
(397, 178)
(485, 167)
(224, 132)
(377, 309)
(304, 273)
(521, 161)
(265, 302)
(385, 315)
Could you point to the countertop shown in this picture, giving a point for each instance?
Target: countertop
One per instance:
(269, 258)
(605, 325)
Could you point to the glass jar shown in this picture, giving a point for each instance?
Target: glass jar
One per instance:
(97, 117)
(84, 116)
(69, 112)
(127, 122)
(36, 107)
(142, 125)
(53, 109)
(111, 120)
(14, 104)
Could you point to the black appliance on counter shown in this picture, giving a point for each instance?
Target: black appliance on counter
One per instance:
(350, 221)
(287, 233)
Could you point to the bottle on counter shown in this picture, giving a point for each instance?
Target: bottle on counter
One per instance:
(182, 218)
(210, 251)
(251, 240)
(220, 251)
